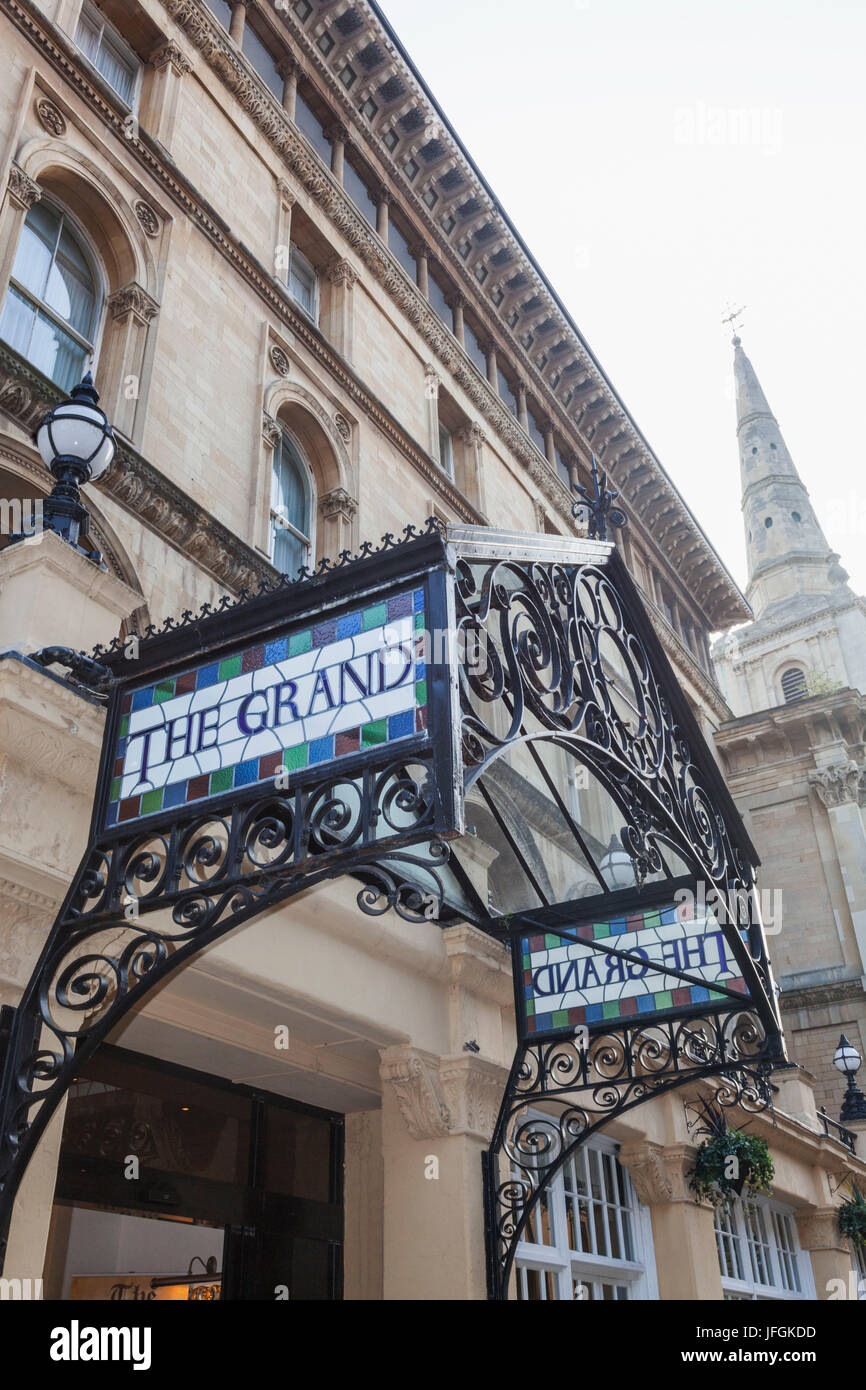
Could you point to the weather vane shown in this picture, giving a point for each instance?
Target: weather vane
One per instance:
(602, 512)
(733, 315)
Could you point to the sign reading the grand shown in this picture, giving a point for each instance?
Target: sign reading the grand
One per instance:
(332, 688)
(618, 968)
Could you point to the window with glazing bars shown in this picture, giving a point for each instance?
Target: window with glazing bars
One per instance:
(105, 49)
(291, 511)
(759, 1254)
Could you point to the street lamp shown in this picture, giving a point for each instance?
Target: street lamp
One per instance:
(847, 1060)
(617, 866)
(77, 445)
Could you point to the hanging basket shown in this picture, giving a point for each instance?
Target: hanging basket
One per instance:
(852, 1218)
(728, 1164)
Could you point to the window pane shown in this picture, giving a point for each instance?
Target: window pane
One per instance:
(56, 354)
(507, 395)
(87, 36)
(223, 11)
(118, 71)
(290, 493)
(473, 347)
(312, 127)
(437, 301)
(302, 282)
(262, 60)
(359, 193)
(16, 324)
(35, 249)
(71, 295)
(289, 552)
(400, 247)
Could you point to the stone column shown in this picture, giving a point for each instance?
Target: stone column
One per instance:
(364, 1203)
(285, 203)
(337, 510)
(438, 1115)
(522, 409)
(343, 279)
(338, 135)
(422, 262)
(21, 193)
(288, 70)
(839, 785)
(455, 304)
(238, 21)
(50, 740)
(687, 1260)
(492, 366)
(473, 438)
(431, 394)
(170, 65)
(131, 311)
(549, 445)
(828, 1249)
(383, 200)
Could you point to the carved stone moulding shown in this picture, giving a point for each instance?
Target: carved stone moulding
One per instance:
(147, 217)
(280, 360)
(50, 117)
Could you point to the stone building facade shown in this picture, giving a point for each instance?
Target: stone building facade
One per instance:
(311, 324)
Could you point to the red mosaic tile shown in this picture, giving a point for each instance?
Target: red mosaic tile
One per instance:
(185, 683)
(118, 768)
(269, 764)
(421, 719)
(253, 659)
(349, 741)
(682, 996)
(197, 786)
(129, 808)
(536, 943)
(126, 703)
(628, 1006)
(634, 922)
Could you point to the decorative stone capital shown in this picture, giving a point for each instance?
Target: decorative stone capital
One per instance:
(23, 190)
(132, 299)
(659, 1174)
(818, 1229)
(171, 55)
(419, 249)
(342, 273)
(414, 1078)
(472, 434)
(271, 432)
(840, 784)
(289, 67)
(338, 503)
(445, 1096)
(286, 194)
(384, 195)
(336, 131)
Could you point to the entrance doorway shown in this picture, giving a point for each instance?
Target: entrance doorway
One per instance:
(175, 1184)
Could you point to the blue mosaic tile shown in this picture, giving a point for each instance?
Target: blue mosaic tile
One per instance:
(400, 725)
(111, 814)
(419, 600)
(143, 699)
(646, 1003)
(699, 994)
(594, 1013)
(349, 626)
(321, 749)
(247, 772)
(208, 675)
(175, 795)
(275, 651)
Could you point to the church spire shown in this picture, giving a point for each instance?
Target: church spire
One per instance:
(788, 553)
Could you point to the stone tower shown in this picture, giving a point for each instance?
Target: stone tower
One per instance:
(794, 755)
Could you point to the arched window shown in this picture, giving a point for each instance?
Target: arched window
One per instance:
(53, 303)
(291, 509)
(793, 685)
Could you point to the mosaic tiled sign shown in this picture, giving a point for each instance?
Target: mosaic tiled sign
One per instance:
(337, 687)
(567, 982)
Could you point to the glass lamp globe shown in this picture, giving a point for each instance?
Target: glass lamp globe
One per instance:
(617, 866)
(846, 1058)
(76, 435)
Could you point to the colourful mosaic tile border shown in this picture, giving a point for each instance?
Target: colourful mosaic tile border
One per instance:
(298, 756)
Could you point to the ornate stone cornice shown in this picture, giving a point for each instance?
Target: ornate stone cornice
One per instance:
(819, 996)
(159, 503)
(840, 785)
(22, 189)
(135, 300)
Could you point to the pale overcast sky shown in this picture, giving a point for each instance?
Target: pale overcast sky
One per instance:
(662, 160)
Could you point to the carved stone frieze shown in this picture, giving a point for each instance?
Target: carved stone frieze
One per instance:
(170, 54)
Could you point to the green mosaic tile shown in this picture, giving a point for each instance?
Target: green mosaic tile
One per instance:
(152, 801)
(163, 691)
(714, 994)
(419, 622)
(221, 780)
(527, 960)
(610, 1009)
(600, 929)
(530, 1008)
(652, 919)
(229, 668)
(420, 692)
(296, 757)
(300, 642)
(664, 999)
(551, 941)
(124, 726)
(376, 616)
(374, 732)
(115, 789)
(560, 1018)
